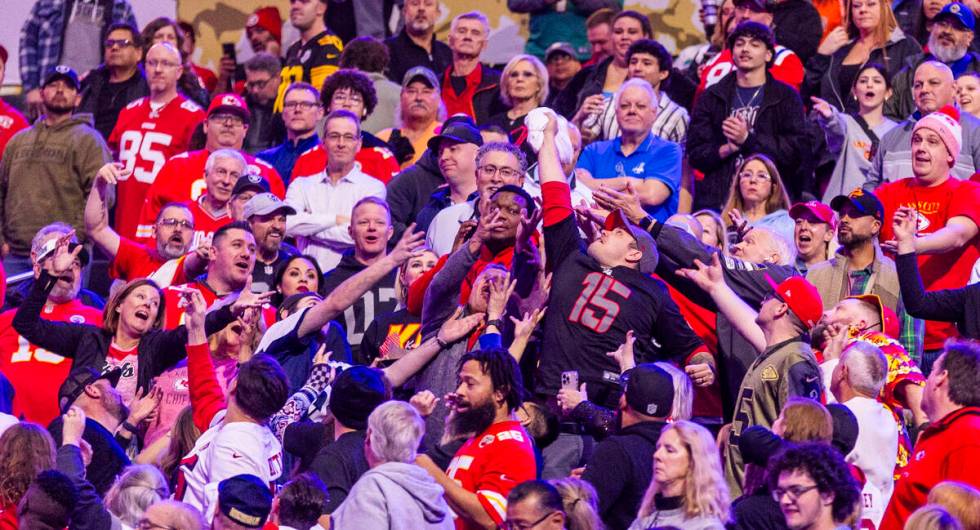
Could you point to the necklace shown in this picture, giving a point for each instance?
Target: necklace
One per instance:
(742, 102)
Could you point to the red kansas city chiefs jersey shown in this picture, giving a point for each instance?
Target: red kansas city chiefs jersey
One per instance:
(36, 374)
(205, 224)
(182, 180)
(144, 140)
(376, 162)
(490, 464)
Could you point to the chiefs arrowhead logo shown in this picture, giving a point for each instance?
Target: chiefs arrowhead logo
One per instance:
(230, 100)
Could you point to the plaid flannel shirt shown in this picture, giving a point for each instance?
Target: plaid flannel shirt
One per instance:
(42, 34)
(913, 330)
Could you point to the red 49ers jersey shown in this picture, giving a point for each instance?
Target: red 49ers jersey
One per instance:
(37, 374)
(376, 162)
(182, 180)
(144, 140)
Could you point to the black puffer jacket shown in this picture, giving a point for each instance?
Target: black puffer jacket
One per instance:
(779, 133)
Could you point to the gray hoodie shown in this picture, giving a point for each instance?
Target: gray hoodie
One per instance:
(847, 139)
(395, 496)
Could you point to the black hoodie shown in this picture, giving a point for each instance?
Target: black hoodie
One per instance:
(378, 300)
(410, 190)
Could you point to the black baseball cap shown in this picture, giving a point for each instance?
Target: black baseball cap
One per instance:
(864, 201)
(517, 190)
(80, 378)
(245, 499)
(61, 72)
(250, 181)
(355, 394)
(650, 390)
(458, 131)
(758, 444)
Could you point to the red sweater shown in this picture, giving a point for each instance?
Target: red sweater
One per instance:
(207, 399)
(947, 450)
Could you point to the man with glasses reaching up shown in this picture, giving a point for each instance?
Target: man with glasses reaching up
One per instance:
(182, 179)
(149, 131)
(118, 81)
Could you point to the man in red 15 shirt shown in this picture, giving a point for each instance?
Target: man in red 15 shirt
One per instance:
(182, 178)
(37, 374)
(150, 130)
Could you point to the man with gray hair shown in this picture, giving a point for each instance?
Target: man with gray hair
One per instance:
(469, 87)
(210, 211)
(261, 87)
(637, 158)
(856, 383)
(395, 493)
(497, 164)
(933, 88)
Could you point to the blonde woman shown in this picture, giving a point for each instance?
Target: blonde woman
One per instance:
(581, 504)
(688, 489)
(758, 198)
(523, 88)
(959, 499)
(870, 34)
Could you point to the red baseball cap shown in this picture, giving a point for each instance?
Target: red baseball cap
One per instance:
(889, 320)
(267, 18)
(802, 298)
(230, 103)
(818, 209)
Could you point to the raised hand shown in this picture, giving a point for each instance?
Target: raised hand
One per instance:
(526, 229)
(110, 173)
(144, 405)
(904, 226)
(466, 229)
(63, 259)
(459, 326)
(707, 277)
(501, 289)
(247, 299)
(822, 107)
(626, 199)
(834, 40)
(424, 402)
(524, 327)
(195, 308)
(73, 426)
(408, 246)
(624, 354)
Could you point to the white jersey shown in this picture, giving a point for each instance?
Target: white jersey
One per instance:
(223, 451)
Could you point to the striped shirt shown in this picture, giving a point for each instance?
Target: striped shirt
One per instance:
(671, 123)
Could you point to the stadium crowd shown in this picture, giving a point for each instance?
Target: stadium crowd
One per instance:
(366, 280)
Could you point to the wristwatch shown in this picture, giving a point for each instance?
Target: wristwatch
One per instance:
(497, 323)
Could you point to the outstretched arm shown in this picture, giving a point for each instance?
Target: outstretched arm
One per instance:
(97, 209)
(711, 279)
(354, 287)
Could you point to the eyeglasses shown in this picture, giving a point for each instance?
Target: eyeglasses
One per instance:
(523, 74)
(517, 525)
(346, 138)
(300, 105)
(505, 172)
(257, 85)
(226, 119)
(152, 64)
(170, 222)
(794, 492)
(122, 43)
(341, 97)
(748, 175)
